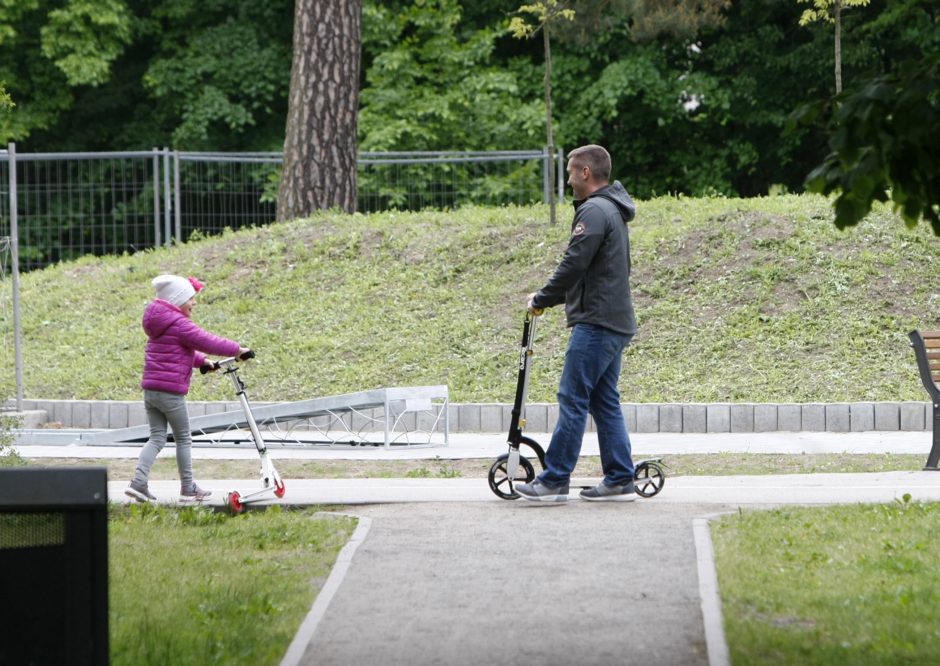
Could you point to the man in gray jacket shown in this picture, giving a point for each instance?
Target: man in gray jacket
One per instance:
(593, 281)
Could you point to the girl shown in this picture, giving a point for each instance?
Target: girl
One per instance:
(175, 346)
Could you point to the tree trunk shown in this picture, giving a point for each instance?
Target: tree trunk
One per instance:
(320, 140)
(838, 41)
(548, 123)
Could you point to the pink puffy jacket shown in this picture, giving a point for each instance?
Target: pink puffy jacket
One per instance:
(176, 346)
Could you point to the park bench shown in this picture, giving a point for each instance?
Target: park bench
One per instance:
(927, 350)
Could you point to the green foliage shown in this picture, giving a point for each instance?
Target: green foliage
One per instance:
(649, 20)
(544, 12)
(107, 74)
(824, 10)
(6, 102)
(842, 585)
(224, 80)
(884, 145)
(410, 101)
(84, 37)
(689, 96)
(8, 455)
(758, 300)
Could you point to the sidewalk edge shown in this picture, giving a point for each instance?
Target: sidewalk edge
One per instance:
(708, 590)
(304, 636)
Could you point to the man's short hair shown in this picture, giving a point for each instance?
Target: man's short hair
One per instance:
(595, 157)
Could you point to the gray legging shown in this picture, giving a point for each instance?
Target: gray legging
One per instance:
(162, 409)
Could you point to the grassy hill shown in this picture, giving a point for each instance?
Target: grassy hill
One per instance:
(738, 300)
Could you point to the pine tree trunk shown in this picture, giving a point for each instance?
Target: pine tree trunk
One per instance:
(320, 140)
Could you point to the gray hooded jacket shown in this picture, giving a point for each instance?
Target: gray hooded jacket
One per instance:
(593, 278)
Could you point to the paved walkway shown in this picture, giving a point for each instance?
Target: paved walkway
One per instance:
(502, 583)
(441, 571)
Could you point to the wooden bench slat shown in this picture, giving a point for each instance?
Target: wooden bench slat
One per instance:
(928, 358)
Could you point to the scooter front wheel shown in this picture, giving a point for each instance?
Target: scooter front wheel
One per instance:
(234, 501)
(501, 484)
(648, 479)
(279, 488)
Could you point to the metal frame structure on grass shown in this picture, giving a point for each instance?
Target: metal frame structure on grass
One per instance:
(399, 416)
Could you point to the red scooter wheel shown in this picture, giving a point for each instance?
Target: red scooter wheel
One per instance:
(234, 502)
(279, 488)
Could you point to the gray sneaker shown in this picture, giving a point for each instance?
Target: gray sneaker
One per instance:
(539, 492)
(604, 493)
(139, 493)
(194, 494)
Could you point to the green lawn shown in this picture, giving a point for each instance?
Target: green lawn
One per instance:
(840, 585)
(192, 586)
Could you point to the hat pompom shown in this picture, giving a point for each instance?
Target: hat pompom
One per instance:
(197, 285)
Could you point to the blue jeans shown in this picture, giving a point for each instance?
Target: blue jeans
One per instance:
(589, 384)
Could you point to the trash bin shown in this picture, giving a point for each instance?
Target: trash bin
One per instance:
(54, 566)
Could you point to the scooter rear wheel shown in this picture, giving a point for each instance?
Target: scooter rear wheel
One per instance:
(648, 479)
(233, 499)
(501, 484)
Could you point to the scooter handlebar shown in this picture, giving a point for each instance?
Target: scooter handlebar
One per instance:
(206, 368)
(226, 362)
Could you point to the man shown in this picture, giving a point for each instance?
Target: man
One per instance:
(593, 281)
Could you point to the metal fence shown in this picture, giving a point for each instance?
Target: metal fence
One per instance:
(71, 204)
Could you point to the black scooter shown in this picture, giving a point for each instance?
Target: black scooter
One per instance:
(512, 467)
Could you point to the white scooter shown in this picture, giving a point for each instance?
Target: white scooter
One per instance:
(270, 480)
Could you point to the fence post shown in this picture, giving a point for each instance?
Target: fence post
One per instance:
(177, 213)
(15, 268)
(546, 184)
(166, 196)
(561, 171)
(156, 197)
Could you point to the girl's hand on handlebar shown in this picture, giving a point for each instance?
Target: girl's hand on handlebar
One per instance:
(244, 353)
(208, 366)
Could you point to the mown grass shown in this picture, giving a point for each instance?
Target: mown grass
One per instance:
(738, 300)
(190, 586)
(839, 585)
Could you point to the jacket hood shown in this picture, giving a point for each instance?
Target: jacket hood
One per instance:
(159, 316)
(617, 193)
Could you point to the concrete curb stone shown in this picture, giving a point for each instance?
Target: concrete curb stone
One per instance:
(540, 417)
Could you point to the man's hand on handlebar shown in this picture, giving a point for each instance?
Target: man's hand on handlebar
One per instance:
(534, 311)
